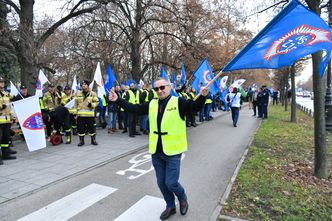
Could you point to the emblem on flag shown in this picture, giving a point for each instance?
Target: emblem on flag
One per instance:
(207, 77)
(301, 36)
(38, 85)
(34, 122)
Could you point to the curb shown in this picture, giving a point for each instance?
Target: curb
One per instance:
(226, 193)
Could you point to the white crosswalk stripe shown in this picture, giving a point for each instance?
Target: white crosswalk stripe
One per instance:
(147, 208)
(71, 205)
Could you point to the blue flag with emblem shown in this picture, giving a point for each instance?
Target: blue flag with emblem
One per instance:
(110, 78)
(204, 74)
(173, 80)
(294, 33)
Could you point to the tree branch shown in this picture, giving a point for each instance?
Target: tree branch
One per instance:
(13, 5)
(51, 30)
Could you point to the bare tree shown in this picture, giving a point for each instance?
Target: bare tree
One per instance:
(24, 40)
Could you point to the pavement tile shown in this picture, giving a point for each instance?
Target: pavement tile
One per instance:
(11, 185)
(20, 191)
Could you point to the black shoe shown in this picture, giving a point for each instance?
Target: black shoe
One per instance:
(125, 131)
(194, 124)
(131, 135)
(167, 213)
(184, 207)
(254, 115)
(234, 125)
(138, 133)
(10, 151)
(81, 143)
(93, 140)
(8, 157)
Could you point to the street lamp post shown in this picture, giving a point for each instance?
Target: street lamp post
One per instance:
(328, 95)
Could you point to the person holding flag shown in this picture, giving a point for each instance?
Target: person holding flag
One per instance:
(85, 103)
(21, 95)
(167, 139)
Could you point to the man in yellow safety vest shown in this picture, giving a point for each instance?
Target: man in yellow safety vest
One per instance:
(167, 139)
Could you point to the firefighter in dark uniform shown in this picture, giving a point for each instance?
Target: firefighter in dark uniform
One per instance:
(264, 101)
(24, 94)
(60, 119)
(5, 123)
(85, 103)
(67, 97)
(51, 100)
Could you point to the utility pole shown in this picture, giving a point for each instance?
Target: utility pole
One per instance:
(328, 95)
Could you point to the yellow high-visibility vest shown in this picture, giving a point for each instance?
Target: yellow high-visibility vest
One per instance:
(173, 128)
(133, 98)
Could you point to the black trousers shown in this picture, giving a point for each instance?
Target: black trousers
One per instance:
(73, 121)
(132, 119)
(5, 135)
(86, 125)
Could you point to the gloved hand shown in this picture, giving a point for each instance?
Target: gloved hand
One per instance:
(3, 106)
(89, 105)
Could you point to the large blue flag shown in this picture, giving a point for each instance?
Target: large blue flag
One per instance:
(204, 74)
(294, 33)
(110, 78)
(183, 75)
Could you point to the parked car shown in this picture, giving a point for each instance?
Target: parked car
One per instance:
(306, 94)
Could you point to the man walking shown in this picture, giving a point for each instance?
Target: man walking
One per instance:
(167, 139)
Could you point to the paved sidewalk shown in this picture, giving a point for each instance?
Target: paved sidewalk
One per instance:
(34, 170)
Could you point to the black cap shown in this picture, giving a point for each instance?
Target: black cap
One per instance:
(67, 88)
(23, 87)
(59, 87)
(2, 79)
(86, 82)
(51, 85)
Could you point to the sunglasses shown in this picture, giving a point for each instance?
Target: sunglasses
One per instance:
(161, 87)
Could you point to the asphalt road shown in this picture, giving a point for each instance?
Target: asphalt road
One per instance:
(126, 189)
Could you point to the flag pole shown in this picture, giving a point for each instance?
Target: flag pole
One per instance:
(209, 84)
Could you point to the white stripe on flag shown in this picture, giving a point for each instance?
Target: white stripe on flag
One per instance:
(71, 205)
(148, 209)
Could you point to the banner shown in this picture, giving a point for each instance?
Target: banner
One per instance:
(30, 118)
(13, 89)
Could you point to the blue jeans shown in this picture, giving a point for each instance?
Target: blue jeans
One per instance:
(144, 122)
(235, 114)
(111, 120)
(168, 172)
(207, 110)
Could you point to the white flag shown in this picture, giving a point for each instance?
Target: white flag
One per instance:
(101, 92)
(223, 82)
(42, 79)
(13, 89)
(141, 83)
(91, 85)
(30, 118)
(236, 84)
(70, 104)
(98, 78)
(74, 85)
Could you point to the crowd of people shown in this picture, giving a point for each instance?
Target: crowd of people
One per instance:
(153, 108)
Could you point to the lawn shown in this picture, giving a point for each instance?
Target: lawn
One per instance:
(276, 180)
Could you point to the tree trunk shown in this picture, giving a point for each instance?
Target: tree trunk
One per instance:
(282, 92)
(286, 92)
(321, 170)
(135, 57)
(293, 106)
(26, 46)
